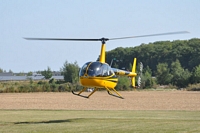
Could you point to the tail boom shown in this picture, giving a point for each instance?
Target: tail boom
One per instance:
(131, 74)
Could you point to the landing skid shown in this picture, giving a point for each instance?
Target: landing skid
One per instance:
(79, 95)
(84, 89)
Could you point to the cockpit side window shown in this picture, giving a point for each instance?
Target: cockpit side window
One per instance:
(105, 71)
(83, 69)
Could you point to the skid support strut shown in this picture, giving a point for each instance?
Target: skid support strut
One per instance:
(110, 93)
(84, 89)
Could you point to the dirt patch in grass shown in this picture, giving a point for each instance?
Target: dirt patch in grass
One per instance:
(134, 100)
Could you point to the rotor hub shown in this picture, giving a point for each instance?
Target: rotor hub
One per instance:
(103, 40)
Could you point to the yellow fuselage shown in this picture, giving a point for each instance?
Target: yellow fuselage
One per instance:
(99, 82)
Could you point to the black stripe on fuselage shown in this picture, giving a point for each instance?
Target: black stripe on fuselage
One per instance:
(113, 79)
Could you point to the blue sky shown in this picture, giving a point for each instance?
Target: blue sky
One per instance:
(86, 19)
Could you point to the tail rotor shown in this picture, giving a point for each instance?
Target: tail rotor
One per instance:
(139, 81)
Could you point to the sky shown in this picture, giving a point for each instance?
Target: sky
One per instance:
(86, 19)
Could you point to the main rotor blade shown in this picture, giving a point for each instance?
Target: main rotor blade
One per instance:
(160, 34)
(103, 40)
(62, 39)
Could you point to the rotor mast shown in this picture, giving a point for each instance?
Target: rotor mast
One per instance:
(103, 50)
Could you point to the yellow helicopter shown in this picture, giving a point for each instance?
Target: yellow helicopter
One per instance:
(99, 74)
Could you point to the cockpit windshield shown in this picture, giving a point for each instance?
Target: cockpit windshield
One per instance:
(96, 69)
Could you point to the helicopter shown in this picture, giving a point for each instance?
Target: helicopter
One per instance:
(99, 74)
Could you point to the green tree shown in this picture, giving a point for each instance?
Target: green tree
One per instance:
(196, 75)
(1, 70)
(163, 76)
(123, 83)
(20, 74)
(70, 72)
(30, 74)
(47, 73)
(181, 77)
(147, 69)
(186, 76)
(148, 81)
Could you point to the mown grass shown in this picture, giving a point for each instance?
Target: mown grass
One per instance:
(51, 121)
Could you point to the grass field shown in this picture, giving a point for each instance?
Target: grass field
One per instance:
(146, 111)
(98, 121)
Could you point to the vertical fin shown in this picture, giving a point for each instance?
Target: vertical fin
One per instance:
(134, 70)
(102, 54)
